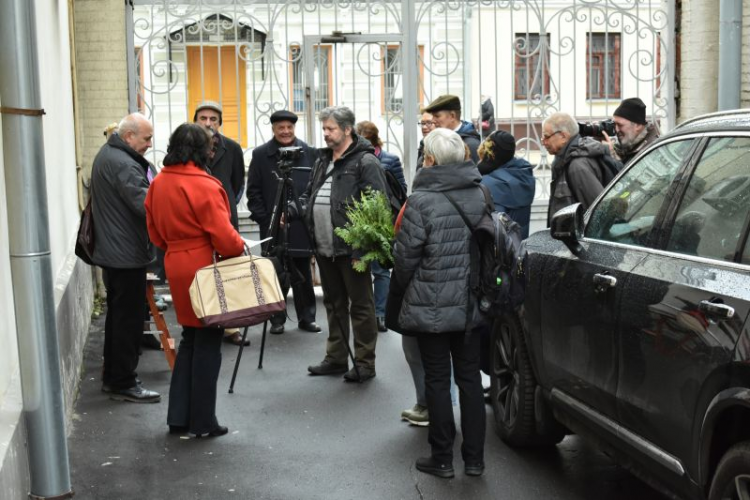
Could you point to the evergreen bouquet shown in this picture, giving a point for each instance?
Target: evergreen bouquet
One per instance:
(370, 229)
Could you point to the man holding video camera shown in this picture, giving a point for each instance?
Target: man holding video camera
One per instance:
(261, 187)
(632, 130)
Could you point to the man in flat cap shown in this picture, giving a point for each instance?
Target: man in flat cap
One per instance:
(227, 165)
(446, 113)
(261, 189)
(633, 132)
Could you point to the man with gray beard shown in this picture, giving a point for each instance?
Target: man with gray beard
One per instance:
(634, 134)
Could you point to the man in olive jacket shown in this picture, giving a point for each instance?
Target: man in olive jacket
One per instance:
(578, 173)
(121, 247)
(343, 171)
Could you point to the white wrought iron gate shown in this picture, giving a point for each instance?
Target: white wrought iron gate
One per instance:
(386, 58)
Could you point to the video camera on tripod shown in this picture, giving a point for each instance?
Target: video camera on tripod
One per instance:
(288, 157)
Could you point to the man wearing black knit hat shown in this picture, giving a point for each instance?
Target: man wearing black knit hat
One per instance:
(261, 188)
(633, 132)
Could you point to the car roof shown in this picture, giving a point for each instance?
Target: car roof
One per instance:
(722, 121)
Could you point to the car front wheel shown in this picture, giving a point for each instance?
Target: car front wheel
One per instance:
(732, 478)
(512, 387)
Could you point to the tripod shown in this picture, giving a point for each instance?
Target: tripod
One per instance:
(278, 248)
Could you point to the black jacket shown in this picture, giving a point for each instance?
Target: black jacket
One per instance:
(432, 262)
(228, 166)
(577, 174)
(356, 170)
(471, 138)
(118, 190)
(262, 185)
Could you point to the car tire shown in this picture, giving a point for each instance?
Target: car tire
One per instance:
(732, 478)
(512, 388)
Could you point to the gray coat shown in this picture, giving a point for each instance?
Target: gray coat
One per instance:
(577, 175)
(432, 265)
(118, 190)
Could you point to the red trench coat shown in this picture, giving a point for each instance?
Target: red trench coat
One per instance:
(187, 213)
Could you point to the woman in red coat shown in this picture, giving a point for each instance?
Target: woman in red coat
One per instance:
(187, 212)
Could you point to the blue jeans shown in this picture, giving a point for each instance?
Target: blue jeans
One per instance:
(381, 282)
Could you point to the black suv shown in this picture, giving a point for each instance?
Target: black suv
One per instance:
(635, 327)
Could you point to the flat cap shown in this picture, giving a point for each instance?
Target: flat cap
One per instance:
(445, 102)
(209, 105)
(284, 116)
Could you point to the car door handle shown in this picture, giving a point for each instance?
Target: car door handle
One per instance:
(716, 310)
(603, 282)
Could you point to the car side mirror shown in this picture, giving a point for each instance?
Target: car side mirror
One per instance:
(567, 226)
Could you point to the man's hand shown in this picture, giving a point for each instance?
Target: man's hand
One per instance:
(607, 141)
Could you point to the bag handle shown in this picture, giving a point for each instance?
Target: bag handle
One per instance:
(220, 284)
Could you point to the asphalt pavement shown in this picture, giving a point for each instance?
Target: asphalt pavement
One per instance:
(293, 436)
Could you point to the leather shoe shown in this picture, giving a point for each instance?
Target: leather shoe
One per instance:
(429, 465)
(475, 469)
(327, 368)
(381, 324)
(309, 326)
(277, 329)
(219, 431)
(135, 394)
(365, 373)
(236, 339)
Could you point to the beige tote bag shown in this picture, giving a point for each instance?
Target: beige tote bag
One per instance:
(237, 292)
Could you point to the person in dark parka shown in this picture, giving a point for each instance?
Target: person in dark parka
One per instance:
(509, 179)
(261, 191)
(430, 283)
(122, 249)
(577, 172)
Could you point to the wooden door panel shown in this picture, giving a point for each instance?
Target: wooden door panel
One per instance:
(205, 80)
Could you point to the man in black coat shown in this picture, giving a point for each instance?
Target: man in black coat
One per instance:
(227, 165)
(122, 250)
(261, 189)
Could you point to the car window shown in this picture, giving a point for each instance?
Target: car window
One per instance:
(713, 210)
(627, 212)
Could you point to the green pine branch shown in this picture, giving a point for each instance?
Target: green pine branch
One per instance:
(370, 229)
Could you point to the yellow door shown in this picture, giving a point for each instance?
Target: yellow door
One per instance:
(204, 83)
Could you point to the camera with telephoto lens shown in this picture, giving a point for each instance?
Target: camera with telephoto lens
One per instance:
(596, 129)
(288, 157)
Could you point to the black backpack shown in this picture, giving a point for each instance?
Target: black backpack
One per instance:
(395, 191)
(497, 280)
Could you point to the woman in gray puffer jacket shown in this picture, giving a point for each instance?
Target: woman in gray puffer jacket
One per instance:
(431, 274)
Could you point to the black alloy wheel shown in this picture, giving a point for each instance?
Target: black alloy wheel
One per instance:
(732, 478)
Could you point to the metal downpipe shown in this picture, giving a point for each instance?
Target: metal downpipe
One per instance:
(730, 54)
(31, 272)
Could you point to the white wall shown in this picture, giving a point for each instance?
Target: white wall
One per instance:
(59, 139)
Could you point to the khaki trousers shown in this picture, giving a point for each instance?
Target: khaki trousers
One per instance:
(347, 295)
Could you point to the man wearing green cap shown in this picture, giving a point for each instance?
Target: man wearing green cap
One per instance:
(446, 113)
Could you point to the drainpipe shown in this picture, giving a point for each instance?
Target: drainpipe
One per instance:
(730, 53)
(31, 269)
(409, 52)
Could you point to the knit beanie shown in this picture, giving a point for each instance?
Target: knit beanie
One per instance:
(632, 109)
(500, 147)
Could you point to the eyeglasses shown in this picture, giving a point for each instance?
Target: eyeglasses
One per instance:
(546, 137)
(426, 124)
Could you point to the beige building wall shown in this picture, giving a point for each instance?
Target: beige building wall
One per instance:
(101, 73)
(699, 57)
